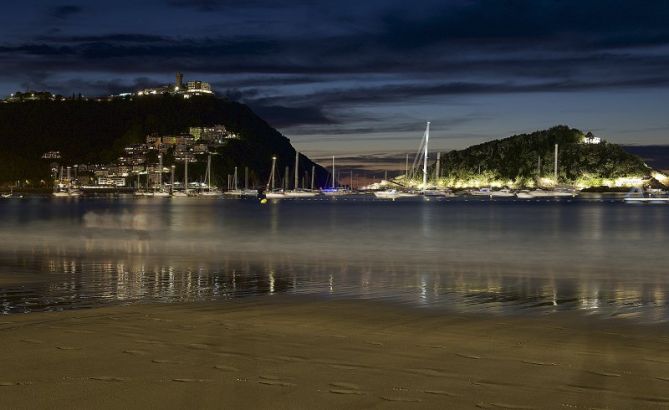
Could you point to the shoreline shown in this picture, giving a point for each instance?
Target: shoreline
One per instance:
(287, 352)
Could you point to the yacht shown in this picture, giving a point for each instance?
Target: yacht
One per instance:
(334, 190)
(394, 194)
(275, 194)
(502, 193)
(524, 194)
(300, 194)
(297, 192)
(481, 192)
(440, 193)
(208, 190)
(271, 192)
(638, 195)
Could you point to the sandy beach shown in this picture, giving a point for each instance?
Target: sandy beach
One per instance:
(291, 352)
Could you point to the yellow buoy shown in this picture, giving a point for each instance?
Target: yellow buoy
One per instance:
(263, 201)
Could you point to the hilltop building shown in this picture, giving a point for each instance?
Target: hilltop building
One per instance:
(187, 90)
(33, 96)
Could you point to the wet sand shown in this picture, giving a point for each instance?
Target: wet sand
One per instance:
(290, 352)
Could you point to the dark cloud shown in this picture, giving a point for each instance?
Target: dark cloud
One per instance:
(299, 63)
(106, 38)
(282, 117)
(65, 11)
(211, 5)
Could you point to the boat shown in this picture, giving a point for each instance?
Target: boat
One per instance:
(540, 193)
(556, 193)
(208, 191)
(433, 192)
(241, 193)
(334, 190)
(394, 194)
(565, 192)
(638, 195)
(64, 187)
(297, 192)
(270, 191)
(502, 193)
(481, 192)
(524, 194)
(10, 194)
(300, 194)
(275, 195)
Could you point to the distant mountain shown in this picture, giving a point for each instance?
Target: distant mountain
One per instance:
(89, 131)
(515, 161)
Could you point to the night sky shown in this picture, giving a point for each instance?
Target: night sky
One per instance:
(362, 77)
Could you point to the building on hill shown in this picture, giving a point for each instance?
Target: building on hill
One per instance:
(589, 138)
(33, 96)
(215, 135)
(198, 88)
(185, 90)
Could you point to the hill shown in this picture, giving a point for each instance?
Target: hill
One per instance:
(514, 161)
(89, 131)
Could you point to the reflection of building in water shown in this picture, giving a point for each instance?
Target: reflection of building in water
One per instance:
(109, 271)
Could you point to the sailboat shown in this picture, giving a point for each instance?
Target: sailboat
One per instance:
(160, 193)
(245, 192)
(297, 192)
(270, 191)
(639, 195)
(65, 188)
(208, 191)
(184, 193)
(334, 190)
(393, 193)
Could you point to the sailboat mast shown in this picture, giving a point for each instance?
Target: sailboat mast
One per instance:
(160, 171)
(556, 163)
(246, 177)
(235, 178)
(297, 162)
(406, 167)
(313, 169)
(172, 178)
(333, 173)
(209, 172)
(186, 175)
(437, 170)
(271, 175)
(427, 139)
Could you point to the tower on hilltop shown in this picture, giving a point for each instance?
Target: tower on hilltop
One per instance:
(179, 85)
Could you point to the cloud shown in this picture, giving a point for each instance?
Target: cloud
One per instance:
(282, 117)
(106, 38)
(65, 11)
(211, 5)
(301, 63)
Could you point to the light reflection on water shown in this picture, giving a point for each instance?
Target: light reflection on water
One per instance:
(502, 257)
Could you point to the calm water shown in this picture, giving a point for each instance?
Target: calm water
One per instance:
(504, 257)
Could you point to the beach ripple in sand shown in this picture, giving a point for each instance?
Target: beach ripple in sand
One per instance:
(109, 379)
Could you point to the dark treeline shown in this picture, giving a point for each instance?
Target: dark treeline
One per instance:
(517, 157)
(97, 131)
